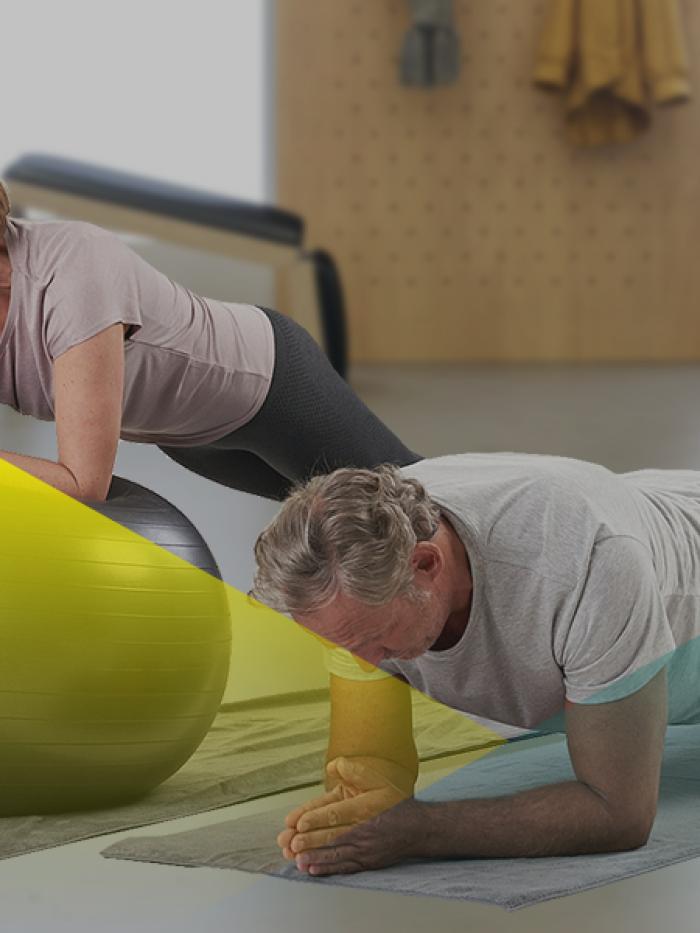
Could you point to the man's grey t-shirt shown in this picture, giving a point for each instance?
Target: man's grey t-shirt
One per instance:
(584, 584)
(195, 368)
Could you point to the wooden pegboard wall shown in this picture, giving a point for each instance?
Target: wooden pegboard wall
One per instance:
(465, 225)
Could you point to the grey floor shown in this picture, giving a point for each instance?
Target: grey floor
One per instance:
(626, 417)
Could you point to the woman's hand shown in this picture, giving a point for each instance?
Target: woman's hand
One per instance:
(361, 789)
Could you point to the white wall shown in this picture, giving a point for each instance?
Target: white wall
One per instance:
(177, 91)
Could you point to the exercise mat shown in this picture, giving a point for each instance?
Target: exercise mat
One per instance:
(249, 843)
(251, 750)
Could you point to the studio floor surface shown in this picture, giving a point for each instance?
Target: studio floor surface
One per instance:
(626, 417)
(73, 888)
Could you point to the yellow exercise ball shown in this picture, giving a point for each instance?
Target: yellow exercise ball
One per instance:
(115, 640)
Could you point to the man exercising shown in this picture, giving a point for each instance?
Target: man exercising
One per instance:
(524, 589)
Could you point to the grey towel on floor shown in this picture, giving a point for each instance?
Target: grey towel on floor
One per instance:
(430, 51)
(248, 752)
(249, 843)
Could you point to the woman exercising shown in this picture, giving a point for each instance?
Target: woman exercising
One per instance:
(97, 340)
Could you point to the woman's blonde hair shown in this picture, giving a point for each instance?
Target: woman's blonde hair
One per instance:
(352, 531)
(4, 207)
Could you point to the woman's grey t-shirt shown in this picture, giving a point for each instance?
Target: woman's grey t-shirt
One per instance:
(194, 368)
(585, 583)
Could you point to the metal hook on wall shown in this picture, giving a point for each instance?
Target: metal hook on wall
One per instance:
(430, 52)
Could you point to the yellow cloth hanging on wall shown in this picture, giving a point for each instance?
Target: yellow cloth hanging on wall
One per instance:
(612, 58)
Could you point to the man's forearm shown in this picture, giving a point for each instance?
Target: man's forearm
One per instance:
(55, 474)
(559, 819)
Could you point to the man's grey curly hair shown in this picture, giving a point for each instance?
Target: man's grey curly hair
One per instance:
(352, 531)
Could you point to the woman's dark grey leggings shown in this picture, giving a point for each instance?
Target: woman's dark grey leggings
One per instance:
(310, 422)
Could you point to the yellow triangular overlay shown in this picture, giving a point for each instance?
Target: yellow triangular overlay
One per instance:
(115, 654)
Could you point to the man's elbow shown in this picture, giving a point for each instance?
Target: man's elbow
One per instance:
(625, 824)
(641, 833)
(633, 833)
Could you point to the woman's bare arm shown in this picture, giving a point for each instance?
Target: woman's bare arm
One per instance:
(88, 394)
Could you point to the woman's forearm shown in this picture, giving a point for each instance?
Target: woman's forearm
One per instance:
(55, 474)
